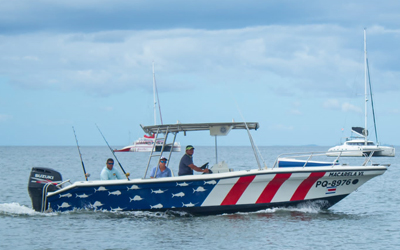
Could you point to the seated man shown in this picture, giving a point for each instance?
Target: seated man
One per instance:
(109, 172)
(186, 165)
(161, 170)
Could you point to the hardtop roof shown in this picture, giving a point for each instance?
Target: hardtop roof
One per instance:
(184, 127)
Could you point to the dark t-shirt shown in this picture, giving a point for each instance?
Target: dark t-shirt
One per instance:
(183, 165)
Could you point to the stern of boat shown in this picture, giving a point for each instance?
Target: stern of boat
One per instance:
(41, 181)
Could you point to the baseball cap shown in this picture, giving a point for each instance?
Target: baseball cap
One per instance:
(163, 158)
(189, 147)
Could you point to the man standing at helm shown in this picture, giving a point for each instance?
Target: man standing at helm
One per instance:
(186, 165)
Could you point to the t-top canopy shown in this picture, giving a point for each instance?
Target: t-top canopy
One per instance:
(181, 127)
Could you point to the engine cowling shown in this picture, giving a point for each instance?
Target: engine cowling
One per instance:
(38, 178)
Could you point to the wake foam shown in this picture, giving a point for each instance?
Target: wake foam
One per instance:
(15, 209)
(148, 214)
(312, 207)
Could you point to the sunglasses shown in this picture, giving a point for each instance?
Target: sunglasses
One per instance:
(110, 163)
(163, 161)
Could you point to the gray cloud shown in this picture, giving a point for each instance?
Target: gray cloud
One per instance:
(26, 16)
(268, 54)
(291, 60)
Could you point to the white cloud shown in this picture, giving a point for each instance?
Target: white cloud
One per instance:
(303, 59)
(108, 109)
(5, 117)
(394, 111)
(331, 104)
(296, 104)
(295, 112)
(347, 107)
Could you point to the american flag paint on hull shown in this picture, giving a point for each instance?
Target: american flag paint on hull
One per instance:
(230, 192)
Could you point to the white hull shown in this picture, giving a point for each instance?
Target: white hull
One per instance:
(357, 151)
(148, 147)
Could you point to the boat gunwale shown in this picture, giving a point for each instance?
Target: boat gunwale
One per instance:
(220, 176)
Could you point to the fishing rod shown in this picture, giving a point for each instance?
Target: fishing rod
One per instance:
(80, 155)
(253, 145)
(112, 151)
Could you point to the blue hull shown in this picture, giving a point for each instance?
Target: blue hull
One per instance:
(157, 196)
(148, 197)
(242, 191)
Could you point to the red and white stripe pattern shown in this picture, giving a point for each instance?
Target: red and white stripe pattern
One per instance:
(267, 188)
(41, 180)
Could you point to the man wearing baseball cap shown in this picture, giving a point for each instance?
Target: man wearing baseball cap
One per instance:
(186, 165)
(161, 170)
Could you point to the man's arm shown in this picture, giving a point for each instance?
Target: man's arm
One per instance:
(169, 174)
(119, 175)
(152, 173)
(197, 169)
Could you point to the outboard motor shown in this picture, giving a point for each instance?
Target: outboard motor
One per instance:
(38, 179)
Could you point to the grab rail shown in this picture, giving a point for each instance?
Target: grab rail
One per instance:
(44, 193)
(311, 155)
(299, 154)
(44, 196)
(59, 184)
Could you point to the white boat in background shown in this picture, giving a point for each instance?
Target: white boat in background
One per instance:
(359, 145)
(149, 143)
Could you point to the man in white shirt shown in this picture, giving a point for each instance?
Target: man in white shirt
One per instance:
(109, 172)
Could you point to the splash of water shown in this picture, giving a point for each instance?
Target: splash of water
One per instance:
(16, 209)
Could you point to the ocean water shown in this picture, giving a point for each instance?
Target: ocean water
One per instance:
(366, 219)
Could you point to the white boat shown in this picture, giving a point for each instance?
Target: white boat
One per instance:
(148, 143)
(306, 181)
(359, 145)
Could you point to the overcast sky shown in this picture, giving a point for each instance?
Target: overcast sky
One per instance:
(296, 67)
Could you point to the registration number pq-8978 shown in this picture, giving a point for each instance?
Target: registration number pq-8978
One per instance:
(336, 183)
